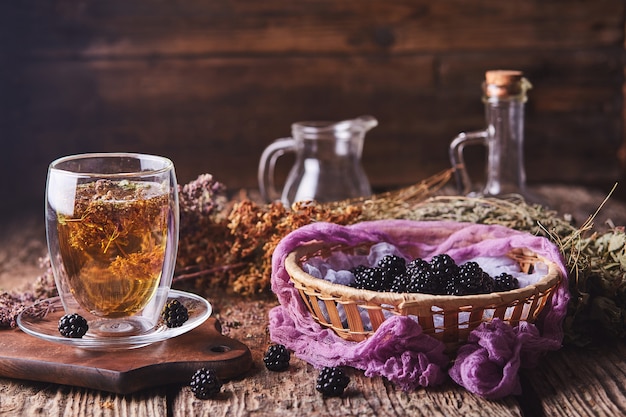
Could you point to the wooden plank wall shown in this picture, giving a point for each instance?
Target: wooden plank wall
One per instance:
(211, 83)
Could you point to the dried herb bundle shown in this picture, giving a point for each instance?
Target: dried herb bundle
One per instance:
(235, 251)
(598, 286)
(12, 304)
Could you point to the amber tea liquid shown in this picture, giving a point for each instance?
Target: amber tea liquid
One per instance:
(112, 246)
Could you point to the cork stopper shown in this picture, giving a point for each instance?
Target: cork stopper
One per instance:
(504, 84)
(503, 77)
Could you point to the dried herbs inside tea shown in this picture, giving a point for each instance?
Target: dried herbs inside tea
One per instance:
(113, 243)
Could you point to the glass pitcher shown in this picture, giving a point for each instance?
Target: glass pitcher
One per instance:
(328, 162)
(504, 95)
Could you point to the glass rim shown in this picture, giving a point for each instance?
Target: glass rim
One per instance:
(167, 164)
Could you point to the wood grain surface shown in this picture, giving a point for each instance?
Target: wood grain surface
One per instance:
(582, 381)
(124, 371)
(566, 383)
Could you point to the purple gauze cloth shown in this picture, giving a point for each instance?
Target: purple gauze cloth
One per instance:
(399, 350)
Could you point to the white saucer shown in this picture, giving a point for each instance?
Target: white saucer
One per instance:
(45, 327)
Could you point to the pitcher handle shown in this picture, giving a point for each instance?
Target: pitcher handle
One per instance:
(270, 155)
(457, 145)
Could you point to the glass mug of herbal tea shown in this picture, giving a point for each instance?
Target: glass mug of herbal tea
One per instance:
(112, 231)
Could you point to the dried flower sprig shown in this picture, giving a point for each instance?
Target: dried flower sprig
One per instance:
(203, 241)
(13, 304)
(257, 229)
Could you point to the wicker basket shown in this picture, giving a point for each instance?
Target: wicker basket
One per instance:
(355, 314)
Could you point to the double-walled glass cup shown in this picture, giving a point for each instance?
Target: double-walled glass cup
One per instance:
(112, 231)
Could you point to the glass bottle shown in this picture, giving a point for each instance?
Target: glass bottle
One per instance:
(504, 95)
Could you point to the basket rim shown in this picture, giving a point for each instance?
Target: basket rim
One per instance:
(403, 300)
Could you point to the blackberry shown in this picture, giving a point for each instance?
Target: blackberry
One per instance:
(392, 266)
(488, 284)
(358, 272)
(400, 283)
(369, 278)
(451, 287)
(73, 325)
(393, 262)
(358, 269)
(420, 278)
(332, 381)
(205, 383)
(416, 265)
(175, 314)
(444, 269)
(395, 265)
(424, 281)
(505, 282)
(444, 265)
(471, 270)
(277, 358)
(468, 281)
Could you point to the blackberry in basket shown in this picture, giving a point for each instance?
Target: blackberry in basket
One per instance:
(488, 284)
(332, 381)
(358, 272)
(277, 358)
(369, 278)
(73, 325)
(417, 265)
(505, 282)
(392, 263)
(469, 280)
(444, 266)
(392, 266)
(205, 383)
(400, 283)
(426, 282)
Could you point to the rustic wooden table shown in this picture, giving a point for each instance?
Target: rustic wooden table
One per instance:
(569, 382)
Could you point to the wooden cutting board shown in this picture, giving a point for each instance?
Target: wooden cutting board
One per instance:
(124, 371)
